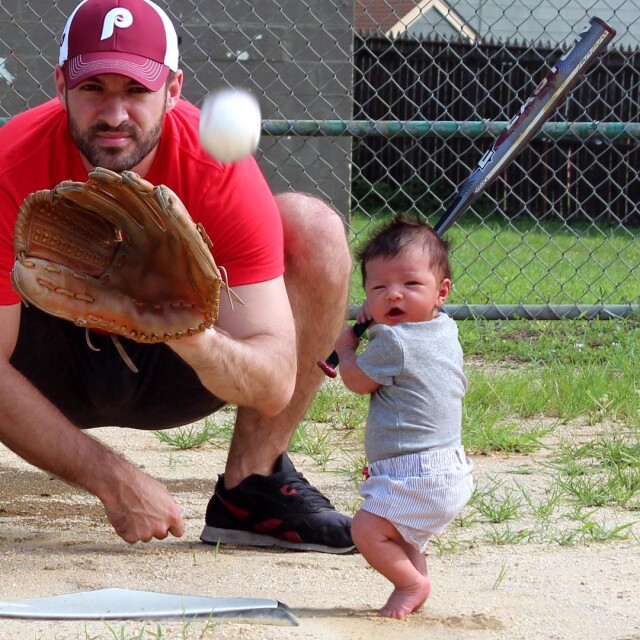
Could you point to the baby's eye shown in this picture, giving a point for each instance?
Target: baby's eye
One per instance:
(412, 283)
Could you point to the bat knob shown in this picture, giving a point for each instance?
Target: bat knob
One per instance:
(327, 369)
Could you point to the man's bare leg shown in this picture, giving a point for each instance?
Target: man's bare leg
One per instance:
(318, 268)
(261, 500)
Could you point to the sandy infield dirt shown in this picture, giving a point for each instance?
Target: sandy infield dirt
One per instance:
(56, 540)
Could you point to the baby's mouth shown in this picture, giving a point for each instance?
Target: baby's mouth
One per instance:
(395, 312)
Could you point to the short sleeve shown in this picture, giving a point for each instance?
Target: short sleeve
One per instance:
(383, 359)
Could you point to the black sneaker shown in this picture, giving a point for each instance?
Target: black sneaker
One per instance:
(280, 510)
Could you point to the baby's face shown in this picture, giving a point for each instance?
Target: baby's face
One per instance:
(403, 288)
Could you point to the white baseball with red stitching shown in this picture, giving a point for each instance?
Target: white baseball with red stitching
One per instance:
(230, 125)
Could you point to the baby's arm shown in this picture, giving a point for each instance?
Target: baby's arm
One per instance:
(354, 378)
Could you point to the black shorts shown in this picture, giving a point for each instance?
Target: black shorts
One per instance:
(96, 388)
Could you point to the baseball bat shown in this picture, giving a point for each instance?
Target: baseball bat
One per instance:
(536, 110)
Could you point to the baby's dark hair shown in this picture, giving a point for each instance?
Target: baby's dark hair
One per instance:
(392, 237)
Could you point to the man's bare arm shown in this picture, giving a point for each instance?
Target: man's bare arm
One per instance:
(249, 359)
(138, 507)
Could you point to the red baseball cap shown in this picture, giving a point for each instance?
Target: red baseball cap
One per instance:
(133, 38)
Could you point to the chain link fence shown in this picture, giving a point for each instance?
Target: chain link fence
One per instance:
(386, 105)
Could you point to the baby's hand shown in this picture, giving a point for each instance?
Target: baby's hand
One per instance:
(364, 315)
(347, 341)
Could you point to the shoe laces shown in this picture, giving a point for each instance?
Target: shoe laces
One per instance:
(307, 492)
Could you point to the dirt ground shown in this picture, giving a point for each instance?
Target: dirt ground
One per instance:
(56, 540)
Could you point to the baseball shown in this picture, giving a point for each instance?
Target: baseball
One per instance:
(230, 125)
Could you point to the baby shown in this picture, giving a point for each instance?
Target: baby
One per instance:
(419, 476)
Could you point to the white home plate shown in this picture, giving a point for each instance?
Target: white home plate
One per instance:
(125, 604)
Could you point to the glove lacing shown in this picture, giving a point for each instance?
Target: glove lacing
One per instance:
(119, 348)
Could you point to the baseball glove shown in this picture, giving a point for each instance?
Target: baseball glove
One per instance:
(117, 254)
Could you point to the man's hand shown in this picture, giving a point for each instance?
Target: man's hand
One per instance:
(140, 509)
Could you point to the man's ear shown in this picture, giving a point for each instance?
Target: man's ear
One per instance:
(174, 89)
(61, 85)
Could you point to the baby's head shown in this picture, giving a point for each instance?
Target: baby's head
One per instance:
(405, 272)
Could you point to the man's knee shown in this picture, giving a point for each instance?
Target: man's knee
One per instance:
(313, 227)
(295, 202)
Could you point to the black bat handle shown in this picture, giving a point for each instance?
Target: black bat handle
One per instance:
(329, 365)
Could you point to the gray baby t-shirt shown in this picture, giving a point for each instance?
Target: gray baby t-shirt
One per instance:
(419, 405)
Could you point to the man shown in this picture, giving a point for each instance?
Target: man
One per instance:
(118, 106)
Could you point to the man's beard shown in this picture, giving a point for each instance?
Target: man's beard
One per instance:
(115, 158)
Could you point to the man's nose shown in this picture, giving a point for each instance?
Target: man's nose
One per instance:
(114, 111)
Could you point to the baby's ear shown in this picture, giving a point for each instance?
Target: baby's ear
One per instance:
(443, 291)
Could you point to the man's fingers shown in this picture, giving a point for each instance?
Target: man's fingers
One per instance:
(145, 510)
(177, 529)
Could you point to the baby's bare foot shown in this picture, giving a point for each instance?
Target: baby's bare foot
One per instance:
(406, 600)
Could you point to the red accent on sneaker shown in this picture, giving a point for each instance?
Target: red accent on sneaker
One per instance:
(292, 536)
(237, 511)
(286, 490)
(267, 526)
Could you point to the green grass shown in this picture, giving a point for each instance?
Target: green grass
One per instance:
(496, 504)
(189, 629)
(524, 261)
(560, 369)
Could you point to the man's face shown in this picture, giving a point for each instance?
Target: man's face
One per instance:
(115, 121)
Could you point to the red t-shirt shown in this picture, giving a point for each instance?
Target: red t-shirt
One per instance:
(233, 202)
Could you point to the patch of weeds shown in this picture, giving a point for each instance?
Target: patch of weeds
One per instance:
(143, 634)
(496, 506)
(450, 544)
(313, 442)
(624, 485)
(213, 551)
(191, 436)
(565, 538)
(586, 490)
(592, 531)
(354, 470)
(464, 519)
(334, 404)
(506, 535)
(613, 452)
(486, 437)
(192, 629)
(547, 506)
(566, 460)
(175, 461)
(602, 472)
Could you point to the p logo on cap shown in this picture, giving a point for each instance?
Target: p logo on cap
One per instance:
(120, 18)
